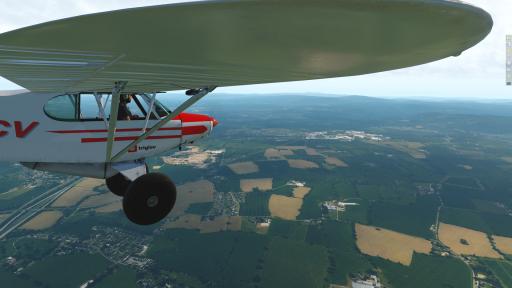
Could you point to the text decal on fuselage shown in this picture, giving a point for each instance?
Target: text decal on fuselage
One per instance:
(19, 130)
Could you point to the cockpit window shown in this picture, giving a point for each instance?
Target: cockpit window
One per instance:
(96, 107)
(62, 108)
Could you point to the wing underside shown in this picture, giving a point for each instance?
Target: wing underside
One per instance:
(227, 43)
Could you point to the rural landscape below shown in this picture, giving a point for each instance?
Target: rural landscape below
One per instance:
(288, 191)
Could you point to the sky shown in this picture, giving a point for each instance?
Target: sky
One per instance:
(478, 73)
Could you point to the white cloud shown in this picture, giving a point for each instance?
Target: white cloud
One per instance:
(479, 72)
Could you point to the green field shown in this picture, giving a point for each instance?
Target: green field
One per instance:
(34, 249)
(199, 255)
(413, 219)
(256, 204)
(426, 272)
(291, 263)
(344, 258)
(200, 208)
(119, 277)
(465, 218)
(66, 271)
(288, 229)
(502, 270)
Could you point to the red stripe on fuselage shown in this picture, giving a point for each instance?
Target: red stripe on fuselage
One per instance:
(186, 131)
(128, 138)
(105, 131)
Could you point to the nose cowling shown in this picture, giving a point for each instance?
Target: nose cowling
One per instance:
(195, 126)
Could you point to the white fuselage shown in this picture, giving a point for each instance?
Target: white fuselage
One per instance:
(27, 134)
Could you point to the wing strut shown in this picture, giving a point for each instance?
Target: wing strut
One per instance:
(112, 123)
(196, 95)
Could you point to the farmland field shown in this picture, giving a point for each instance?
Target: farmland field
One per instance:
(393, 246)
(43, 220)
(466, 241)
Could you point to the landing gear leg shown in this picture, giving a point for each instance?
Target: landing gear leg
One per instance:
(118, 184)
(149, 199)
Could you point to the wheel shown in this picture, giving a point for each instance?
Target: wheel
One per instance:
(149, 199)
(118, 184)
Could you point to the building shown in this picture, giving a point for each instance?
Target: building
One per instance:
(370, 281)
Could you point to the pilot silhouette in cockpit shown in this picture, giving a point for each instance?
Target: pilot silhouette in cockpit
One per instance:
(124, 112)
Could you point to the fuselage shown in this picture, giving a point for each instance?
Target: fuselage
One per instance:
(29, 134)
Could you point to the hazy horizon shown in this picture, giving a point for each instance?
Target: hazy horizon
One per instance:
(478, 73)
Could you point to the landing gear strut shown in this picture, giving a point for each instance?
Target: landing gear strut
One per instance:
(118, 184)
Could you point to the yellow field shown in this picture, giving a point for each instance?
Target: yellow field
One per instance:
(277, 154)
(192, 192)
(411, 148)
(301, 192)
(504, 244)
(273, 154)
(100, 200)
(187, 221)
(312, 152)
(335, 162)
(244, 168)
(478, 243)
(283, 207)
(81, 190)
(218, 224)
(109, 208)
(222, 223)
(263, 184)
(390, 245)
(302, 164)
(43, 221)
(3, 217)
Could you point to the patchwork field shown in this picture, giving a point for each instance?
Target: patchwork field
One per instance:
(80, 191)
(414, 149)
(466, 241)
(193, 192)
(312, 152)
(100, 200)
(43, 221)
(195, 222)
(283, 207)
(504, 244)
(335, 162)
(390, 245)
(277, 154)
(263, 184)
(302, 164)
(301, 192)
(243, 168)
(109, 208)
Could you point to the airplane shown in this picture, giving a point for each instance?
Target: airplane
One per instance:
(90, 106)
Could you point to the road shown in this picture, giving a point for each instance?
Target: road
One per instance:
(34, 206)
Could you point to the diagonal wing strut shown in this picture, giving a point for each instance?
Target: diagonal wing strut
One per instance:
(112, 123)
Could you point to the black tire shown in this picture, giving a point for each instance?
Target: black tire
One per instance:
(118, 184)
(149, 199)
